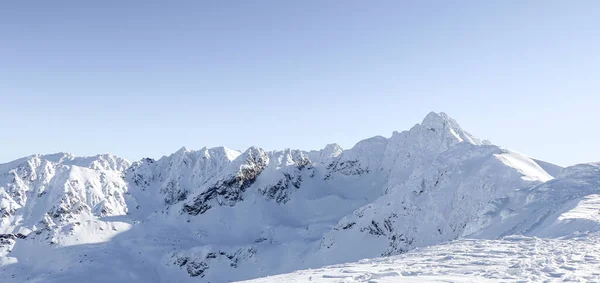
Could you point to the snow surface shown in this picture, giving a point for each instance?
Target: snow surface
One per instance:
(510, 259)
(221, 215)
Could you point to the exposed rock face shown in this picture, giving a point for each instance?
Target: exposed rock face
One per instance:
(196, 263)
(230, 189)
(290, 166)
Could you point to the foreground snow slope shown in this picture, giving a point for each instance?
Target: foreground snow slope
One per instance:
(510, 259)
(220, 215)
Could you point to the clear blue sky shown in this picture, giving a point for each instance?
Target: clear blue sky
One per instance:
(143, 78)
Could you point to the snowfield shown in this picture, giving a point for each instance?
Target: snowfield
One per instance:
(511, 259)
(434, 201)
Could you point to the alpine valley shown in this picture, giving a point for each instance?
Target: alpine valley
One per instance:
(432, 203)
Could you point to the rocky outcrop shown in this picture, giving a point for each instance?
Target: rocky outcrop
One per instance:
(230, 190)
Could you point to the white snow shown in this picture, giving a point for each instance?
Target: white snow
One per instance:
(527, 166)
(510, 259)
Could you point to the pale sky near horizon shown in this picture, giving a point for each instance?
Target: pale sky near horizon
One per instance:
(143, 78)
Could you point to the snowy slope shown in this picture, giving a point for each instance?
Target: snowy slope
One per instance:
(511, 259)
(550, 232)
(219, 215)
(558, 207)
(552, 169)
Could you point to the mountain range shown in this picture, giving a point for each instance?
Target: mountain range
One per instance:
(222, 215)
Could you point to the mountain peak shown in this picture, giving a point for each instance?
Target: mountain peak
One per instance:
(183, 149)
(333, 146)
(441, 121)
(332, 149)
(434, 118)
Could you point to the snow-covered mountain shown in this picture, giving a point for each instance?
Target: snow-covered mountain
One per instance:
(547, 233)
(220, 215)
